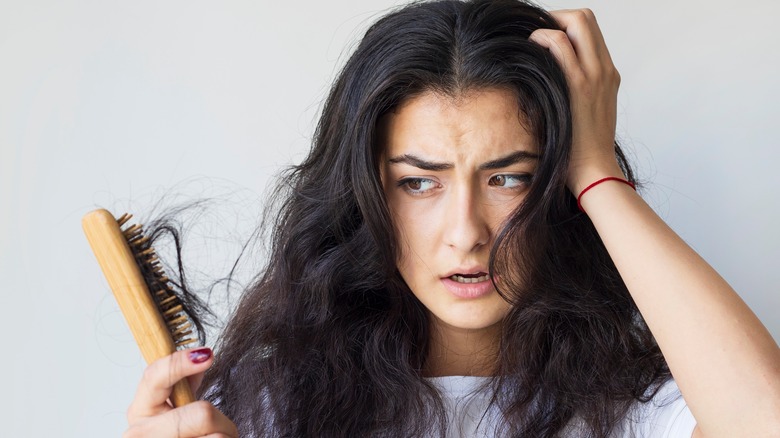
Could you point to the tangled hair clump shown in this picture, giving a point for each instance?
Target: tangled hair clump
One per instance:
(331, 342)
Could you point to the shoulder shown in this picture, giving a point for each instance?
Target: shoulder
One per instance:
(666, 415)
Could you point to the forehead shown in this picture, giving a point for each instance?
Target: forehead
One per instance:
(478, 122)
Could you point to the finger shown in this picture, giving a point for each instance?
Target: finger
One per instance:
(195, 380)
(160, 376)
(557, 42)
(586, 37)
(196, 419)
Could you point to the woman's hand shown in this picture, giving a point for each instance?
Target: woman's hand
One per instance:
(723, 359)
(150, 413)
(593, 83)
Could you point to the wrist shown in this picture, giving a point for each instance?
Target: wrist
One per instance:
(581, 179)
(598, 182)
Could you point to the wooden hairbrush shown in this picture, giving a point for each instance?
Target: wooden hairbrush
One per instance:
(153, 312)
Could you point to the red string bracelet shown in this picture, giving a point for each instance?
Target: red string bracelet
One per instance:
(609, 178)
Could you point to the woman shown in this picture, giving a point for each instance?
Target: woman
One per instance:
(462, 253)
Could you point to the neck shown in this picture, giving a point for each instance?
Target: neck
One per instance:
(462, 352)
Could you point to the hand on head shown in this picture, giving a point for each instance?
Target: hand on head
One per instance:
(593, 83)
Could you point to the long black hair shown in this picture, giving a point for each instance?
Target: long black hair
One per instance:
(331, 342)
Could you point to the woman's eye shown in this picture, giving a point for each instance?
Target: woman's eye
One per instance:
(510, 181)
(417, 186)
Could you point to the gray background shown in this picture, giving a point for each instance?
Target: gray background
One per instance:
(115, 104)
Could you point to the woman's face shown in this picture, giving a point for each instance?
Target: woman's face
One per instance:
(453, 169)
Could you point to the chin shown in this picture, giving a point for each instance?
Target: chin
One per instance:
(476, 319)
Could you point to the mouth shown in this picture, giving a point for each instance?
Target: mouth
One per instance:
(468, 283)
(470, 278)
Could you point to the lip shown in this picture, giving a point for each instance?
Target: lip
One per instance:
(471, 270)
(468, 290)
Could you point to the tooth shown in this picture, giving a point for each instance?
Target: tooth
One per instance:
(462, 279)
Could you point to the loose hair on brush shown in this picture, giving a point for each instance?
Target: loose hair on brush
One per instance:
(331, 342)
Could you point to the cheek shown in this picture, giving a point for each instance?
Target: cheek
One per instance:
(416, 245)
(498, 214)
(406, 222)
(409, 237)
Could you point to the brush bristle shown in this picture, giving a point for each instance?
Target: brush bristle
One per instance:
(171, 309)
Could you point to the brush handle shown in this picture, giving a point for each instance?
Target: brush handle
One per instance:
(124, 277)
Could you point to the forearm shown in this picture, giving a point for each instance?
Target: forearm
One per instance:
(725, 362)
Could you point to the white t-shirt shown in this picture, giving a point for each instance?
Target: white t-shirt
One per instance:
(665, 416)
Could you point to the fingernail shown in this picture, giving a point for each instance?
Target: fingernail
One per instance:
(200, 355)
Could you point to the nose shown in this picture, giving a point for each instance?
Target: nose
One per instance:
(466, 227)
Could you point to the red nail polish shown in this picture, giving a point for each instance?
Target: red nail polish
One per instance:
(200, 355)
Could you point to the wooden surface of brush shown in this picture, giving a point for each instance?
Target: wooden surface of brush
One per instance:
(152, 311)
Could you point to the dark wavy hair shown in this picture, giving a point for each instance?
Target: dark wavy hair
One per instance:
(330, 341)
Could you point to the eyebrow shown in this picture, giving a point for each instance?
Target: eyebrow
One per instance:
(513, 158)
